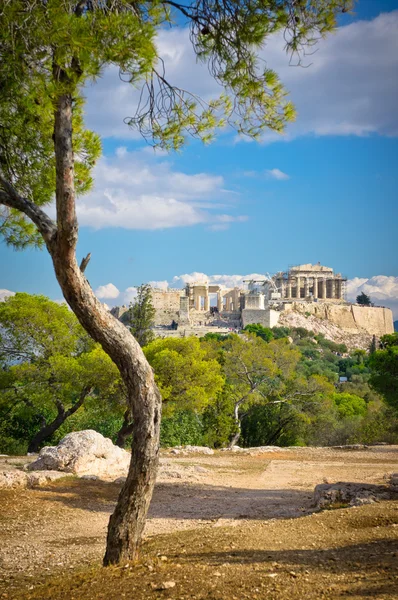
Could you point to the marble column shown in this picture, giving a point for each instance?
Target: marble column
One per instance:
(315, 290)
(289, 289)
(298, 287)
(207, 302)
(306, 288)
(324, 288)
(219, 301)
(197, 301)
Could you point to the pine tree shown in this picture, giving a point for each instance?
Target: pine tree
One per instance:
(142, 316)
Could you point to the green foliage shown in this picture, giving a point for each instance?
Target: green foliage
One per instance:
(388, 340)
(349, 405)
(384, 372)
(363, 299)
(187, 376)
(50, 366)
(270, 425)
(281, 332)
(218, 422)
(265, 333)
(181, 428)
(141, 315)
(216, 337)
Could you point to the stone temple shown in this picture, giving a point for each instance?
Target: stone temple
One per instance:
(202, 307)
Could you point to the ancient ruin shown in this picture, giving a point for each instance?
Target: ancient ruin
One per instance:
(308, 289)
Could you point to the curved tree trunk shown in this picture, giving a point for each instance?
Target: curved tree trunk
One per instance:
(143, 397)
(127, 522)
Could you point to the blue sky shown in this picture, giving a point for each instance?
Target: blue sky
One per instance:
(326, 191)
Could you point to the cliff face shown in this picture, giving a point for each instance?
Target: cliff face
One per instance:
(374, 320)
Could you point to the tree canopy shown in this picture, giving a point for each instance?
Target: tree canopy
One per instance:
(50, 368)
(363, 299)
(186, 375)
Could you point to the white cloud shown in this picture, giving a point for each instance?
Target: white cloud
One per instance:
(350, 88)
(5, 294)
(134, 191)
(277, 174)
(160, 285)
(227, 281)
(382, 289)
(108, 291)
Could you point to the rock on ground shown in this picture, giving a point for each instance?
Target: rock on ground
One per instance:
(20, 479)
(352, 494)
(84, 453)
(191, 450)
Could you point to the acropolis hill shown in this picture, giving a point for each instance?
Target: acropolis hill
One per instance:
(303, 295)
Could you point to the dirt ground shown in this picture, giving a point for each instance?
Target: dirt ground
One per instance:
(224, 526)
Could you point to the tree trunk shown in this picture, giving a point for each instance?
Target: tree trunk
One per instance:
(49, 429)
(125, 431)
(236, 437)
(143, 397)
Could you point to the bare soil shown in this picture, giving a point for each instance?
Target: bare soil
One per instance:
(224, 526)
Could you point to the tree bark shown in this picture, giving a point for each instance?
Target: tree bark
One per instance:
(125, 431)
(127, 522)
(236, 437)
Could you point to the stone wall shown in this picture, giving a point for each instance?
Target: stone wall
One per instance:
(375, 320)
(167, 305)
(266, 318)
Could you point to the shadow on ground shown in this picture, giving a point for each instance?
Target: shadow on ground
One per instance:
(188, 501)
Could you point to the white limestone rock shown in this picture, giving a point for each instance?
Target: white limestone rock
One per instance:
(13, 479)
(198, 450)
(84, 453)
(349, 494)
(39, 478)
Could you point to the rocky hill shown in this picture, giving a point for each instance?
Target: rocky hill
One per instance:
(360, 339)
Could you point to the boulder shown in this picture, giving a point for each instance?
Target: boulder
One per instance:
(84, 453)
(13, 479)
(39, 478)
(349, 494)
(198, 450)
(184, 450)
(20, 479)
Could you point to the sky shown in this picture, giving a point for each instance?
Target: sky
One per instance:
(324, 191)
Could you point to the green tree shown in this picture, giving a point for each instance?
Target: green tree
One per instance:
(265, 333)
(142, 315)
(384, 373)
(363, 299)
(349, 405)
(53, 367)
(255, 370)
(49, 51)
(187, 376)
(389, 340)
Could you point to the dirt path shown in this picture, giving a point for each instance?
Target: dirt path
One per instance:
(63, 526)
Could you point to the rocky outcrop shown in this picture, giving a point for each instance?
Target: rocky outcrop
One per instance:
(359, 339)
(19, 479)
(351, 318)
(351, 494)
(84, 453)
